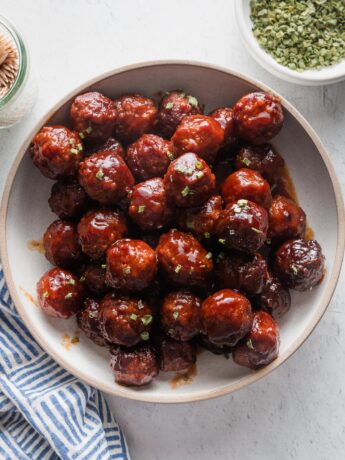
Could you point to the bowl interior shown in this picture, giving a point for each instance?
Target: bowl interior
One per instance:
(28, 215)
(330, 74)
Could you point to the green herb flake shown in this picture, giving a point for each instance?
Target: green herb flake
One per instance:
(294, 269)
(256, 230)
(209, 255)
(74, 151)
(134, 317)
(104, 266)
(146, 320)
(126, 270)
(185, 191)
(93, 314)
(88, 130)
(82, 135)
(199, 174)
(145, 335)
(178, 268)
(193, 101)
(207, 235)
(198, 165)
(71, 141)
(170, 156)
(176, 314)
(141, 209)
(45, 294)
(140, 304)
(99, 175)
(82, 279)
(69, 295)
(249, 344)
(246, 161)
(79, 147)
(169, 105)
(300, 35)
(71, 281)
(221, 240)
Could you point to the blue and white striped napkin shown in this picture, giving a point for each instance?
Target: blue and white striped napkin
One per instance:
(45, 412)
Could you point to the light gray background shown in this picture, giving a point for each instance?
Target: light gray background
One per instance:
(298, 412)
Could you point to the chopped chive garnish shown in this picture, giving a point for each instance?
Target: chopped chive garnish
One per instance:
(178, 268)
(246, 161)
(207, 235)
(169, 105)
(141, 209)
(69, 295)
(185, 191)
(170, 156)
(71, 281)
(99, 175)
(221, 240)
(146, 320)
(82, 135)
(134, 317)
(256, 230)
(176, 314)
(126, 270)
(74, 151)
(140, 304)
(88, 130)
(45, 294)
(193, 101)
(145, 335)
(209, 255)
(249, 344)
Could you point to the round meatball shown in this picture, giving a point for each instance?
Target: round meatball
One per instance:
(180, 315)
(93, 116)
(274, 298)
(224, 116)
(135, 366)
(189, 181)
(182, 259)
(131, 265)
(94, 279)
(149, 207)
(300, 264)
(68, 200)
(258, 117)
(124, 320)
(261, 158)
(176, 356)
(242, 226)
(245, 272)
(261, 345)
(57, 152)
(249, 185)
(201, 220)
(226, 317)
(136, 115)
(99, 229)
(60, 293)
(61, 245)
(87, 320)
(149, 156)
(105, 177)
(199, 134)
(173, 107)
(286, 220)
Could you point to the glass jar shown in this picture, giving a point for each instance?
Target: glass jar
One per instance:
(20, 98)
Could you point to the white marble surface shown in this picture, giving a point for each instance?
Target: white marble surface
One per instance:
(298, 411)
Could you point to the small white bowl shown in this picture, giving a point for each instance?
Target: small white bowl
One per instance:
(325, 76)
(25, 215)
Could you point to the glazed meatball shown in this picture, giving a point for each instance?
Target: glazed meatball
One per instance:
(182, 260)
(136, 115)
(258, 117)
(93, 116)
(87, 320)
(274, 298)
(242, 226)
(114, 146)
(105, 177)
(176, 356)
(99, 229)
(149, 207)
(249, 185)
(224, 116)
(180, 315)
(149, 156)
(60, 293)
(94, 279)
(57, 152)
(261, 158)
(131, 265)
(68, 200)
(261, 345)
(244, 272)
(124, 320)
(189, 181)
(300, 264)
(61, 245)
(135, 366)
(198, 134)
(286, 220)
(201, 220)
(226, 317)
(173, 108)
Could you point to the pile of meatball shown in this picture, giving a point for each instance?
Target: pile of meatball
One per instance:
(174, 230)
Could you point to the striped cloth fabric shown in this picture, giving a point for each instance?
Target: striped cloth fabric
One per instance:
(45, 412)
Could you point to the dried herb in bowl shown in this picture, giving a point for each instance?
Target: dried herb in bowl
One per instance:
(301, 34)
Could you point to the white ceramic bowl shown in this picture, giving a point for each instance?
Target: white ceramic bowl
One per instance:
(325, 76)
(25, 215)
